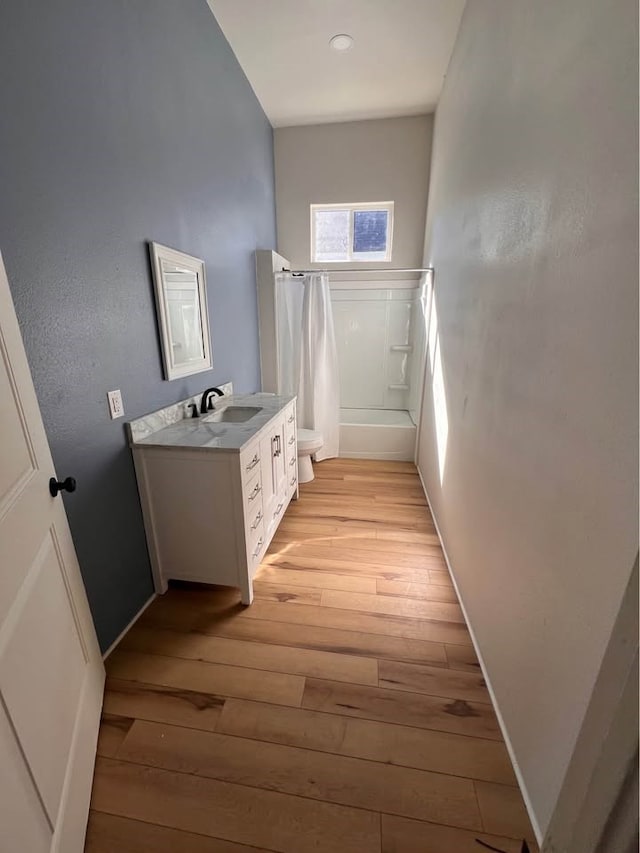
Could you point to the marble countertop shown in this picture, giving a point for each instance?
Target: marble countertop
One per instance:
(170, 429)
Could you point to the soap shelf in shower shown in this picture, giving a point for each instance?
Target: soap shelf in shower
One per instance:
(401, 348)
(398, 387)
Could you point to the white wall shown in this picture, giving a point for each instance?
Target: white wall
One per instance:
(532, 230)
(358, 161)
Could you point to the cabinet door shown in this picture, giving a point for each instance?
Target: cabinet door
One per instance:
(268, 456)
(274, 472)
(268, 485)
(280, 463)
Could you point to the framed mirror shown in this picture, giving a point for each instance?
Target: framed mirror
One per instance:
(183, 318)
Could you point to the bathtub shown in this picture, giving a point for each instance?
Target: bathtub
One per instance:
(377, 434)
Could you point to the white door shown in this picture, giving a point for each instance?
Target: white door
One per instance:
(51, 672)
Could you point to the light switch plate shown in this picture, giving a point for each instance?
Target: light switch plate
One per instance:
(115, 404)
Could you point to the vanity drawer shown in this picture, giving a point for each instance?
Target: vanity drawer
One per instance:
(255, 545)
(252, 493)
(255, 522)
(277, 512)
(250, 462)
(290, 430)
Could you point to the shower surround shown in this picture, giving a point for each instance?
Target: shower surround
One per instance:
(379, 320)
(379, 326)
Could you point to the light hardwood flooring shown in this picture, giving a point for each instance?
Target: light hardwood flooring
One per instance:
(344, 711)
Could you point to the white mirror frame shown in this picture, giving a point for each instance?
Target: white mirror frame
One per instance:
(161, 253)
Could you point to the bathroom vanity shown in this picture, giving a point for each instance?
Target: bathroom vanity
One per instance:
(213, 489)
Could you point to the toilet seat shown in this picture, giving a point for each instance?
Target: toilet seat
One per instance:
(309, 440)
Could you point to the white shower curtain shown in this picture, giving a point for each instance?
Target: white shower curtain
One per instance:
(307, 355)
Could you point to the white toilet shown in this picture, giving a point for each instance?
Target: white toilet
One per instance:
(309, 442)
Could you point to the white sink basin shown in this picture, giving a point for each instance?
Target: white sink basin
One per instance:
(232, 415)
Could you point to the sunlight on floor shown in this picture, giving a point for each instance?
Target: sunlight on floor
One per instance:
(280, 549)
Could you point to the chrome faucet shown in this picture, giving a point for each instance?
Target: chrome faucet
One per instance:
(205, 404)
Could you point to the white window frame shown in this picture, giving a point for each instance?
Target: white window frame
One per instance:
(353, 208)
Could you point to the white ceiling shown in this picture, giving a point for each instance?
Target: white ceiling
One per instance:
(396, 65)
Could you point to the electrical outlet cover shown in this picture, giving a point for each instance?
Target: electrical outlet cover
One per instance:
(115, 404)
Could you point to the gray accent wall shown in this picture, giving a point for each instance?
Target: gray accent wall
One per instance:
(123, 122)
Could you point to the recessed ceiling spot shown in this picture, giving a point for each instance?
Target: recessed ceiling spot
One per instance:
(341, 42)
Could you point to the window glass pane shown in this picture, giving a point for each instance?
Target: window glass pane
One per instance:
(331, 235)
(370, 232)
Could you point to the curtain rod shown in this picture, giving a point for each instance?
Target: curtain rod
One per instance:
(371, 269)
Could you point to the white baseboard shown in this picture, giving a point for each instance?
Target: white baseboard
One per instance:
(501, 723)
(129, 626)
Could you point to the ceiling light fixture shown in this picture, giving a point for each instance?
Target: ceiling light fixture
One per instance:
(341, 42)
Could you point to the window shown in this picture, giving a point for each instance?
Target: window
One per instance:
(351, 232)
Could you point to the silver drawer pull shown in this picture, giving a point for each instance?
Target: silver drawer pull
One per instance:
(292, 461)
(257, 520)
(293, 481)
(254, 494)
(291, 419)
(278, 509)
(292, 439)
(258, 546)
(253, 463)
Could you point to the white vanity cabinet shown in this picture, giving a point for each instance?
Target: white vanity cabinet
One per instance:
(210, 513)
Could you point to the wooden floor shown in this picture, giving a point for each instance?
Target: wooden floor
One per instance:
(342, 712)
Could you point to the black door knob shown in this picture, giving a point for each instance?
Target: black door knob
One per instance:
(55, 486)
